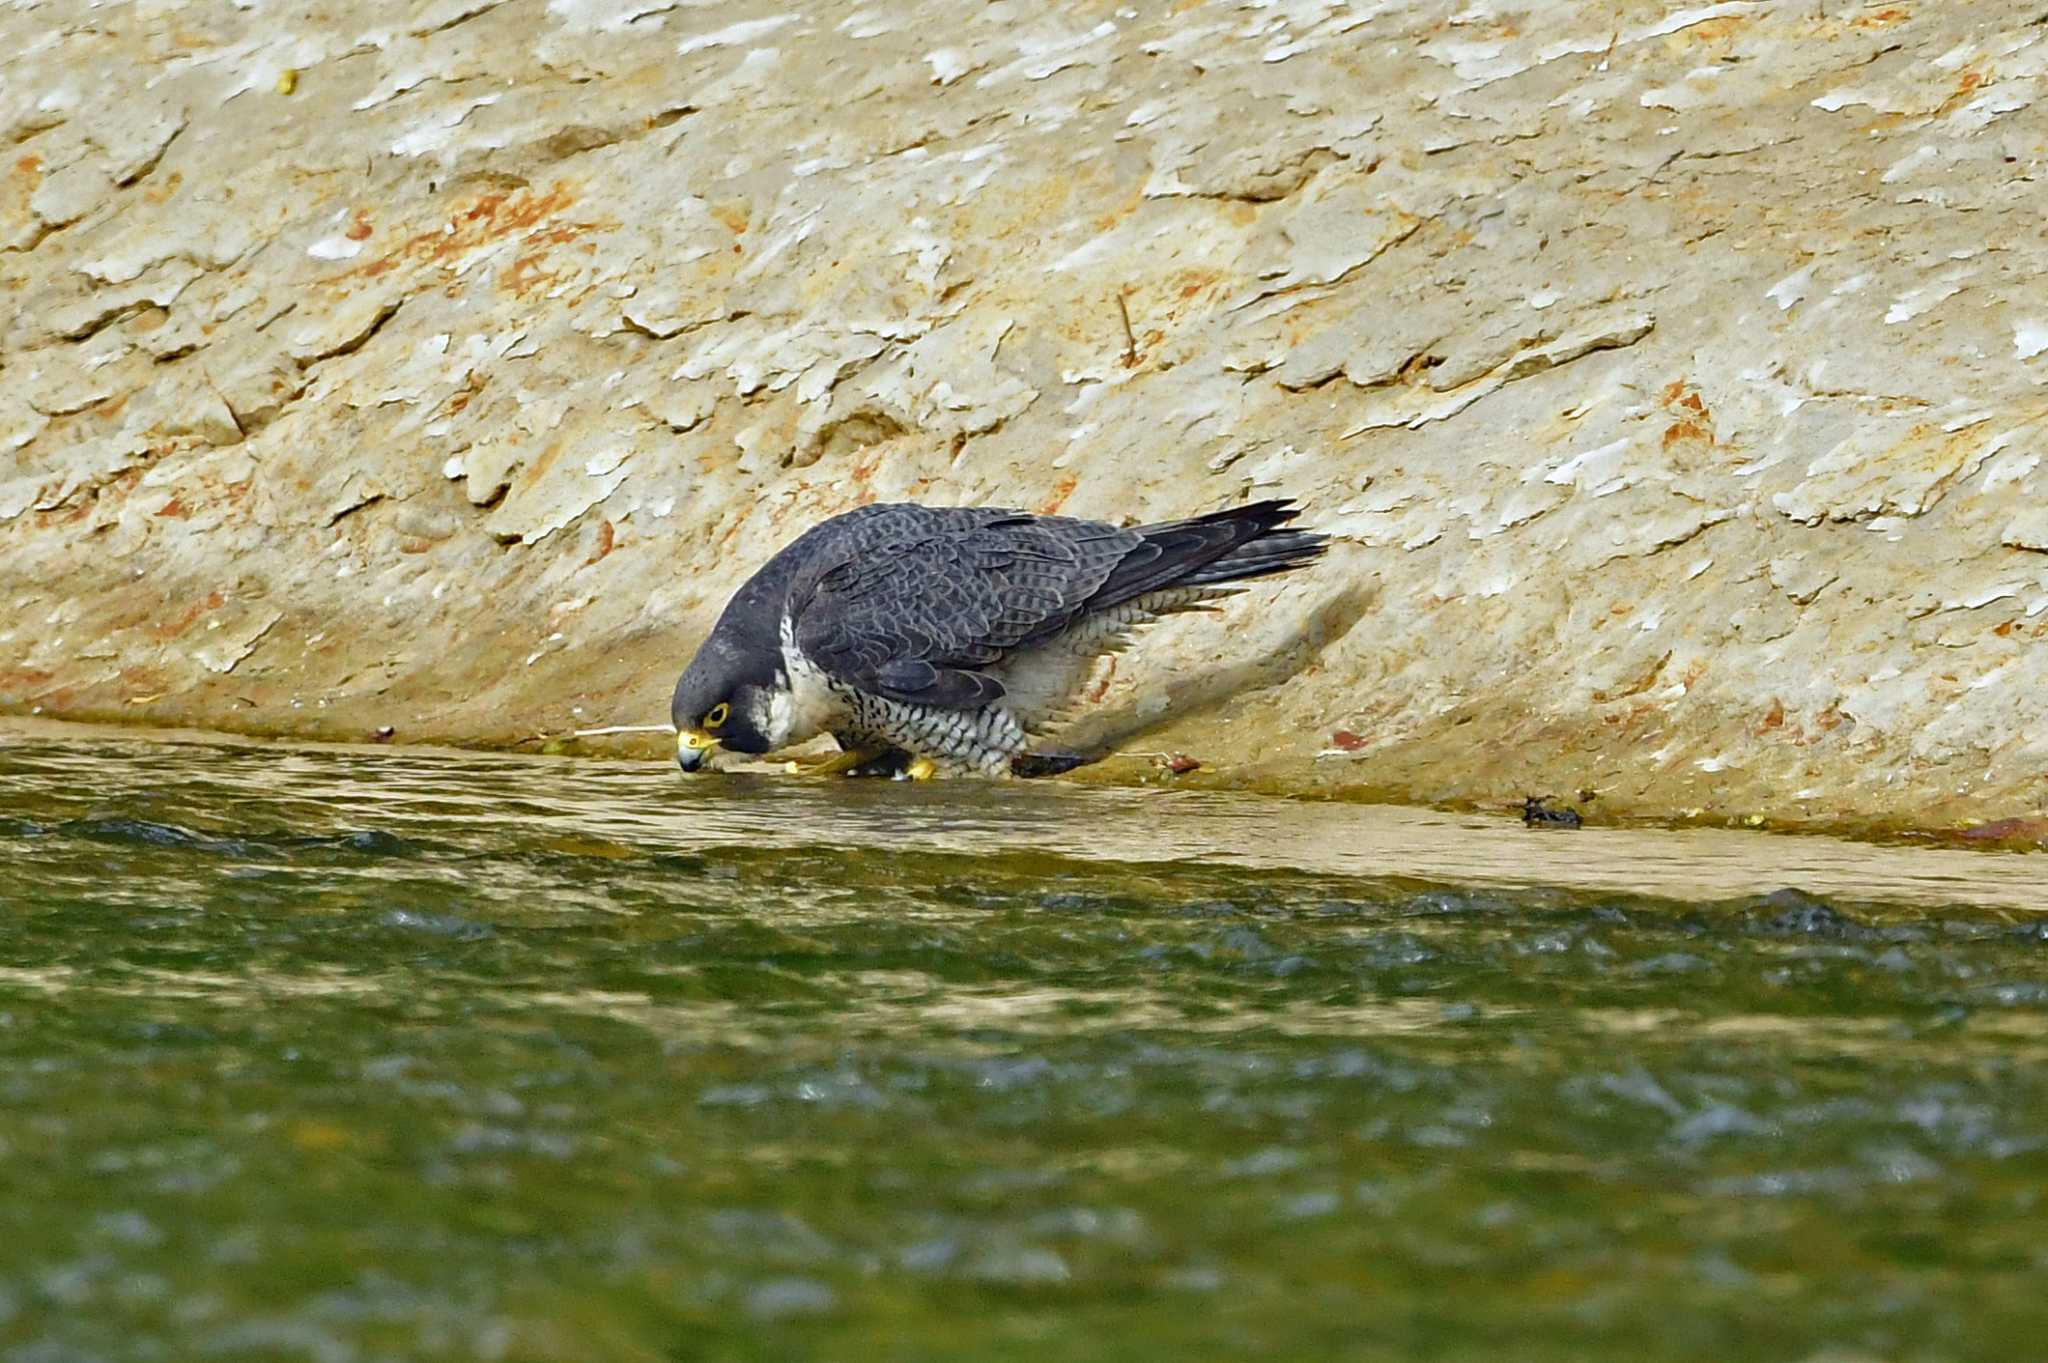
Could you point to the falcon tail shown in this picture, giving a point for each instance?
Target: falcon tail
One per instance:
(1206, 551)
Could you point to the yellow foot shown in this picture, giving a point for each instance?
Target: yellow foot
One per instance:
(923, 769)
(840, 763)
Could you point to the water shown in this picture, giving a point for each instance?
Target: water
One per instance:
(364, 1055)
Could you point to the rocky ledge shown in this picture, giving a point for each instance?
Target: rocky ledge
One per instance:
(1670, 376)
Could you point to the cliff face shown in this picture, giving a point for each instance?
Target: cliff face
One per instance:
(1671, 376)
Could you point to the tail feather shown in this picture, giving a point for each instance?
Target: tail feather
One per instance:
(1222, 546)
(1274, 553)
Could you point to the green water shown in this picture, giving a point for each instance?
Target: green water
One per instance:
(342, 1056)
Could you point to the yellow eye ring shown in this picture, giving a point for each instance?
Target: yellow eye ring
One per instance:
(717, 715)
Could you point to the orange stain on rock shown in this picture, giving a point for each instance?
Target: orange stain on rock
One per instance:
(1101, 686)
(171, 629)
(1638, 684)
(487, 218)
(1108, 220)
(1966, 85)
(525, 274)
(1188, 284)
(1694, 421)
(1060, 492)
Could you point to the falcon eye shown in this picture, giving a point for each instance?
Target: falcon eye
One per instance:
(717, 715)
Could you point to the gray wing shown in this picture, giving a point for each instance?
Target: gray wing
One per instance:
(922, 618)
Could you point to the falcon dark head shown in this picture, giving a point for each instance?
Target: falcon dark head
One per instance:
(724, 699)
(735, 692)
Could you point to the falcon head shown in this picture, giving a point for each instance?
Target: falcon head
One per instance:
(727, 698)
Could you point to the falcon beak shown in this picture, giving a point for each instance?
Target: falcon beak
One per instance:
(692, 747)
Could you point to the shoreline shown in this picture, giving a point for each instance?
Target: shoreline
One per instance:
(1136, 772)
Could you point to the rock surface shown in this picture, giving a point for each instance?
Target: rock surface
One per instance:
(1672, 376)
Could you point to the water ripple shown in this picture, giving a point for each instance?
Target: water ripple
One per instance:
(315, 1053)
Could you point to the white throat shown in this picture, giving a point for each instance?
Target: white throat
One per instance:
(803, 704)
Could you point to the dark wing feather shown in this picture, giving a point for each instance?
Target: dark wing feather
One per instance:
(922, 618)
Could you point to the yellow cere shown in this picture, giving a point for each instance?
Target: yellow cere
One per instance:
(693, 740)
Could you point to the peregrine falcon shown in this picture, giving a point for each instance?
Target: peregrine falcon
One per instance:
(946, 639)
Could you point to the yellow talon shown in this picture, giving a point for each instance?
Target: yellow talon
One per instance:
(923, 769)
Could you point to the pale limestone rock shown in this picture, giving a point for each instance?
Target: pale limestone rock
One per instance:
(1674, 386)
